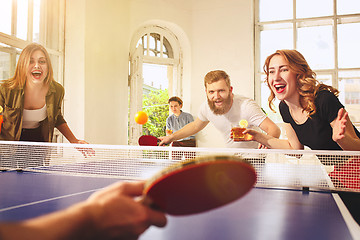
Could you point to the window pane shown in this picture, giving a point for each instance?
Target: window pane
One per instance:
(348, 6)
(272, 40)
(158, 47)
(324, 78)
(4, 65)
(152, 42)
(167, 48)
(36, 21)
(155, 76)
(317, 8)
(274, 10)
(317, 46)
(152, 53)
(22, 16)
(349, 87)
(145, 41)
(349, 50)
(5, 16)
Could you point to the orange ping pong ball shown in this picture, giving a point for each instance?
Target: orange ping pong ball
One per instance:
(141, 117)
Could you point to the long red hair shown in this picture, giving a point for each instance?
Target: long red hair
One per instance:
(307, 84)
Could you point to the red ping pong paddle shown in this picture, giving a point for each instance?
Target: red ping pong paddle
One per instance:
(148, 140)
(200, 184)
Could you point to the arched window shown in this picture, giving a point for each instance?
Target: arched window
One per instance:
(156, 45)
(155, 74)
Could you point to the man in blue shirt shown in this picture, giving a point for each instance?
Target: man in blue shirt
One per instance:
(177, 121)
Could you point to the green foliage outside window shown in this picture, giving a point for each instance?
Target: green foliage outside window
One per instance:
(155, 104)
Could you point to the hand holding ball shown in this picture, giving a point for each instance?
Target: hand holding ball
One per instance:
(141, 117)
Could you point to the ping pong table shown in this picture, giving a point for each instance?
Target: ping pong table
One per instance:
(264, 213)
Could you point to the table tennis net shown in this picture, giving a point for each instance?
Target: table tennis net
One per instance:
(294, 169)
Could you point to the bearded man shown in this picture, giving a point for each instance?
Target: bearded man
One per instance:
(224, 109)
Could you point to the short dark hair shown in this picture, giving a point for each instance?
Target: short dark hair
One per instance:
(176, 99)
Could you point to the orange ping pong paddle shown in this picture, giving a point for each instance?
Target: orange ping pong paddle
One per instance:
(199, 184)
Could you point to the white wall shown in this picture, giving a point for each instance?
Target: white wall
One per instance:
(213, 36)
(97, 37)
(74, 76)
(222, 38)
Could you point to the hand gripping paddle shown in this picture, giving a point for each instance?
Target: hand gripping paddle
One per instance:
(200, 184)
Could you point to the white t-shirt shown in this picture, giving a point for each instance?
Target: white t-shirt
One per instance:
(242, 108)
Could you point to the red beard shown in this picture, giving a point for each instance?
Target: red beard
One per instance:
(223, 109)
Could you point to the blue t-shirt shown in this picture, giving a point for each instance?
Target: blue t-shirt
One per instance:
(175, 123)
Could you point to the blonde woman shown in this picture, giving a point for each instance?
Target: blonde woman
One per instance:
(32, 99)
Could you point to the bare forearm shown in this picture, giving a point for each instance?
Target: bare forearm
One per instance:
(270, 128)
(65, 130)
(274, 132)
(271, 142)
(183, 133)
(349, 143)
(188, 130)
(67, 224)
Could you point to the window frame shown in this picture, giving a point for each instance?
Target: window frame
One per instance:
(136, 61)
(50, 35)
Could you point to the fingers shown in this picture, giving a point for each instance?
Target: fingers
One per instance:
(247, 136)
(261, 146)
(157, 218)
(342, 119)
(87, 152)
(132, 189)
(161, 139)
(342, 114)
(163, 142)
(116, 213)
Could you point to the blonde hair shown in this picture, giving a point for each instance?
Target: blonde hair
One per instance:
(19, 77)
(308, 87)
(215, 76)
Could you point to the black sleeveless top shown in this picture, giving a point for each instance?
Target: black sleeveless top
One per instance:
(316, 132)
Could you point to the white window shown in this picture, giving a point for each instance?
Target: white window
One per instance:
(26, 21)
(155, 64)
(326, 32)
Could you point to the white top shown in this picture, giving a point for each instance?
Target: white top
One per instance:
(32, 118)
(242, 108)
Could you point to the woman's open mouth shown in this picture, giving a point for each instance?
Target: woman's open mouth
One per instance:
(36, 74)
(279, 88)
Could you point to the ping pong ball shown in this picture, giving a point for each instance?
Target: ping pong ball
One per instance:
(141, 117)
